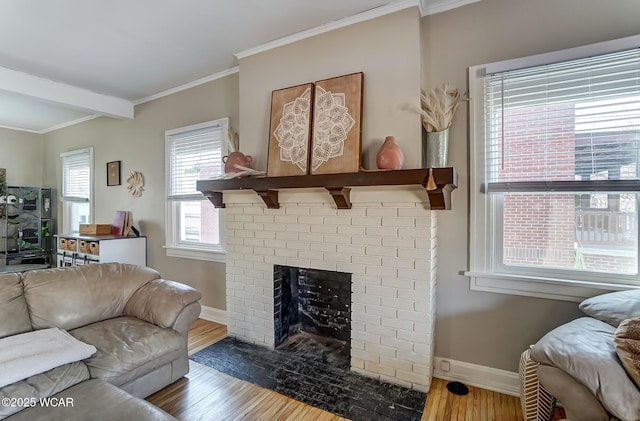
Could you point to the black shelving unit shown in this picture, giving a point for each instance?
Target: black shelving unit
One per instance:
(26, 225)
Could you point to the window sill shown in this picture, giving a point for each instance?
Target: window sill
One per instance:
(196, 254)
(531, 286)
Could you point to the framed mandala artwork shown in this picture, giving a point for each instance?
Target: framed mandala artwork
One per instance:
(290, 130)
(336, 141)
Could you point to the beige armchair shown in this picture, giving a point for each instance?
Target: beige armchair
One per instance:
(585, 365)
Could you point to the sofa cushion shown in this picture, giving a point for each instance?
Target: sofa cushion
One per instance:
(87, 293)
(14, 314)
(627, 343)
(94, 400)
(584, 349)
(613, 307)
(42, 385)
(129, 348)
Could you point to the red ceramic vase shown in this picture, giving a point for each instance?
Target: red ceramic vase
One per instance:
(390, 156)
(236, 158)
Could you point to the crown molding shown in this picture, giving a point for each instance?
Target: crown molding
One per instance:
(427, 7)
(69, 123)
(20, 129)
(191, 84)
(431, 7)
(52, 128)
(361, 17)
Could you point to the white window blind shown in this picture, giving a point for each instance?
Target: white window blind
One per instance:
(76, 175)
(568, 126)
(193, 155)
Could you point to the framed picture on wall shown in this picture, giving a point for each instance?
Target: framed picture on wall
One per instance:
(290, 130)
(336, 142)
(113, 173)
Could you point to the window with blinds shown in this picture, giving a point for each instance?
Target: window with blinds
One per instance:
(193, 155)
(567, 126)
(76, 188)
(76, 175)
(193, 224)
(555, 148)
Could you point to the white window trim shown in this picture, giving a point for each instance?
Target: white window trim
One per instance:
(193, 252)
(482, 278)
(172, 248)
(66, 202)
(196, 254)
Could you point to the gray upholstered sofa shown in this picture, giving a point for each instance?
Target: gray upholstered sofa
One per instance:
(591, 364)
(137, 322)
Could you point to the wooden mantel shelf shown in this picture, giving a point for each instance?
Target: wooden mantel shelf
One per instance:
(338, 185)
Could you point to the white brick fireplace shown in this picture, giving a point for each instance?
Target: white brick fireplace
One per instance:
(387, 241)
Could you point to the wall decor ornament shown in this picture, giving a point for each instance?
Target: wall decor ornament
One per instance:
(113, 173)
(337, 125)
(135, 183)
(289, 132)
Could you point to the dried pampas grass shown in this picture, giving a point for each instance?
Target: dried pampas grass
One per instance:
(439, 106)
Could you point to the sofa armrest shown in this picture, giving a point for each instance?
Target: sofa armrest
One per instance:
(162, 302)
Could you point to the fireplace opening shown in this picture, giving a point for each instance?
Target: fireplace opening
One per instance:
(312, 312)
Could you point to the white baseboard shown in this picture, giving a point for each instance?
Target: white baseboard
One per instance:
(214, 315)
(494, 379)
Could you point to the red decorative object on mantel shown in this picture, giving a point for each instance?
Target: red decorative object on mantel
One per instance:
(236, 158)
(390, 156)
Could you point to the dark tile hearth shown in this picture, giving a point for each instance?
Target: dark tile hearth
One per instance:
(314, 370)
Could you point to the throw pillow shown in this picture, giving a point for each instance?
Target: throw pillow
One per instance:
(614, 307)
(627, 342)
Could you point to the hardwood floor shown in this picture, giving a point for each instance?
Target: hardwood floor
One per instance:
(204, 333)
(207, 394)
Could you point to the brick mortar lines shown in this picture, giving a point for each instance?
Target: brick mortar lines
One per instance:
(388, 274)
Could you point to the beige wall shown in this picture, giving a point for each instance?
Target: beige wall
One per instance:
(139, 144)
(21, 155)
(386, 49)
(486, 328)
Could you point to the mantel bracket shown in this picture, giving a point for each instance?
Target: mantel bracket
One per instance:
(215, 197)
(437, 200)
(270, 198)
(341, 196)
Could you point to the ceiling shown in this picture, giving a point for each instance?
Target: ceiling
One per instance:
(68, 61)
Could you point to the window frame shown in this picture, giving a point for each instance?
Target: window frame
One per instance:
(192, 250)
(69, 202)
(485, 208)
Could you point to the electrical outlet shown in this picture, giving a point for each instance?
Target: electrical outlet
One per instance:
(445, 366)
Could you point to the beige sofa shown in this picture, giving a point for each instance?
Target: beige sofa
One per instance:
(137, 321)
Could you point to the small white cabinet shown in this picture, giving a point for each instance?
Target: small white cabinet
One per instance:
(76, 250)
